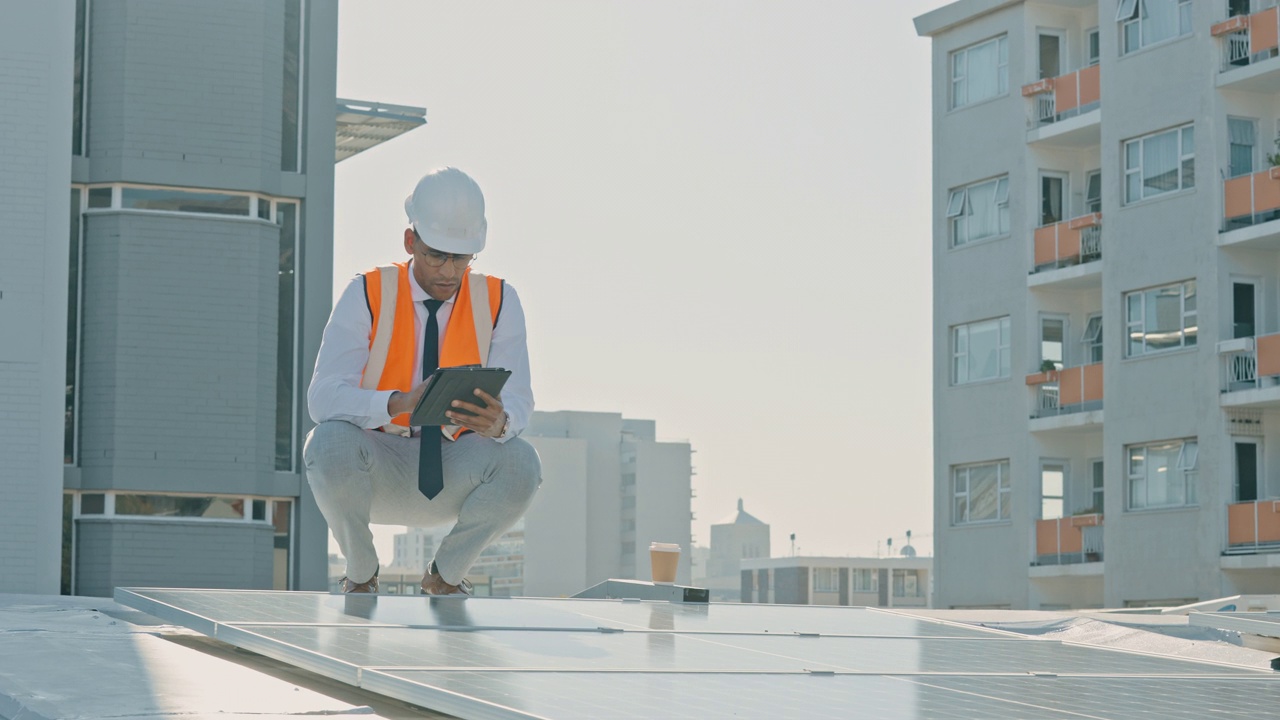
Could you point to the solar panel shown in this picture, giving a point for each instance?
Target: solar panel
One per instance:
(576, 659)
(1256, 623)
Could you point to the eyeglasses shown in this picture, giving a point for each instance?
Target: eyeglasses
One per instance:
(435, 258)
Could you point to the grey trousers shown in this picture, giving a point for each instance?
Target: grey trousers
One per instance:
(364, 476)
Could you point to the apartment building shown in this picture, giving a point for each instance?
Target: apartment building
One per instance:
(165, 277)
(737, 537)
(866, 582)
(609, 488)
(1106, 237)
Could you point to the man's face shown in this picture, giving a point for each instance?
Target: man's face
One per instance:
(440, 282)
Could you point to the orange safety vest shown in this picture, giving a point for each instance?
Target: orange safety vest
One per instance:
(393, 342)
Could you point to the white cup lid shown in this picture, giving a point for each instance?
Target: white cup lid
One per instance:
(664, 547)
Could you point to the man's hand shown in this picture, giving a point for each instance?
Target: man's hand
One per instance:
(487, 421)
(404, 402)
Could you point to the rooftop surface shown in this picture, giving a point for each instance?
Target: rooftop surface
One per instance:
(205, 653)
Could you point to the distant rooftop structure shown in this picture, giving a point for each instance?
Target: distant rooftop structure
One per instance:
(741, 517)
(363, 125)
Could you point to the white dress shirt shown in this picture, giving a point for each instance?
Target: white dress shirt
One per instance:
(335, 392)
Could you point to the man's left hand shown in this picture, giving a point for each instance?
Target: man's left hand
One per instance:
(487, 420)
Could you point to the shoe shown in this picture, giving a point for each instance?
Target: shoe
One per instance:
(369, 586)
(433, 584)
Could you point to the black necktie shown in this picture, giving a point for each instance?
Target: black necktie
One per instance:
(430, 471)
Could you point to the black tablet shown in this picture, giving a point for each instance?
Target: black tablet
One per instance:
(455, 383)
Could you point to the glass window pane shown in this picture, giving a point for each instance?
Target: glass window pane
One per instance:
(169, 200)
(100, 197)
(1052, 344)
(1163, 328)
(984, 493)
(955, 205)
(180, 506)
(93, 503)
(1132, 155)
(1159, 164)
(290, 97)
(984, 354)
(287, 218)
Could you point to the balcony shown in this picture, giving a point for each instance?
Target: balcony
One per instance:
(1064, 251)
(1253, 527)
(1069, 540)
(1066, 110)
(1250, 208)
(1250, 371)
(1249, 45)
(1067, 398)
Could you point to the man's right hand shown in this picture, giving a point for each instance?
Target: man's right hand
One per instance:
(404, 402)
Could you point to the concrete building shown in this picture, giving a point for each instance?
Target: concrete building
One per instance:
(1103, 198)
(609, 489)
(165, 276)
(412, 549)
(741, 536)
(869, 582)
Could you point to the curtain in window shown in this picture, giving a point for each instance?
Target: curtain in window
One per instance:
(1159, 20)
(984, 350)
(1050, 200)
(984, 493)
(982, 79)
(1160, 164)
(1241, 136)
(983, 219)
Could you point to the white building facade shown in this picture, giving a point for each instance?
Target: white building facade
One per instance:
(862, 582)
(1104, 199)
(609, 488)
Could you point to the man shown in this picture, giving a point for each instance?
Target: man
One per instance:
(389, 330)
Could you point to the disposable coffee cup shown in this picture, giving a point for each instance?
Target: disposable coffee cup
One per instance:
(664, 557)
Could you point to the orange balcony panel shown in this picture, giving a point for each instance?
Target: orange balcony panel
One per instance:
(1264, 31)
(1058, 536)
(1266, 192)
(1090, 85)
(1268, 355)
(1068, 242)
(1037, 87)
(1238, 22)
(1042, 378)
(1238, 197)
(1046, 239)
(1085, 221)
(1092, 382)
(1086, 520)
(1065, 97)
(1253, 522)
(1071, 387)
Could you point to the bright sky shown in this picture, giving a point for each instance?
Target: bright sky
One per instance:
(717, 215)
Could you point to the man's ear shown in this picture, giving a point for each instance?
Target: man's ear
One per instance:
(408, 240)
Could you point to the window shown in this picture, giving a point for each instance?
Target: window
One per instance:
(1053, 476)
(1050, 54)
(1092, 340)
(980, 351)
(906, 583)
(1162, 474)
(1053, 333)
(1147, 22)
(73, 332)
(1093, 191)
(1096, 494)
(979, 211)
(78, 85)
(982, 493)
(1159, 163)
(1243, 309)
(1053, 188)
(286, 345)
(979, 72)
(1092, 48)
(1247, 466)
(184, 201)
(865, 580)
(1241, 140)
(1160, 319)
(826, 580)
(291, 89)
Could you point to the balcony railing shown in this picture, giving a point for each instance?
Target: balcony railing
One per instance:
(1251, 199)
(1247, 39)
(1056, 99)
(1071, 242)
(1066, 391)
(1249, 363)
(1064, 541)
(1253, 527)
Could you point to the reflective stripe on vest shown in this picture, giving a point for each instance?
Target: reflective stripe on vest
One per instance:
(393, 343)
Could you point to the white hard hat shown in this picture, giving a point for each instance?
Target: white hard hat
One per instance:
(447, 211)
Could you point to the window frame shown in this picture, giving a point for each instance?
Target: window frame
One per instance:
(1133, 18)
(1004, 493)
(827, 573)
(1181, 132)
(1065, 362)
(1092, 340)
(1186, 462)
(1089, 200)
(1184, 314)
(1004, 330)
(1064, 497)
(1064, 196)
(956, 76)
(960, 209)
(1092, 46)
(1253, 151)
